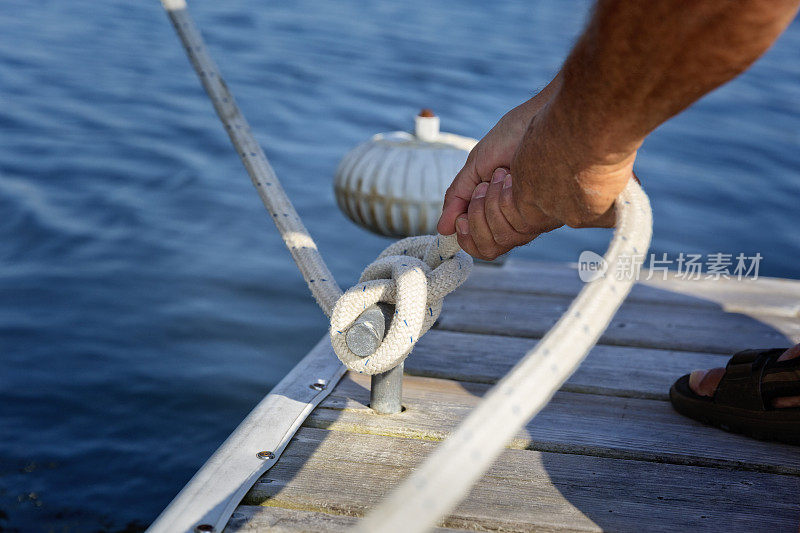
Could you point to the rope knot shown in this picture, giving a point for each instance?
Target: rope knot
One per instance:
(413, 274)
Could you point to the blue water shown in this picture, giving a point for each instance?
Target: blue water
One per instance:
(146, 302)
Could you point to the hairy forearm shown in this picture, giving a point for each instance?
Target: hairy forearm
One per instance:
(640, 62)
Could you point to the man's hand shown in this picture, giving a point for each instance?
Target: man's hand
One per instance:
(557, 180)
(494, 151)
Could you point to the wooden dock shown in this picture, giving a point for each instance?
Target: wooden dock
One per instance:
(608, 453)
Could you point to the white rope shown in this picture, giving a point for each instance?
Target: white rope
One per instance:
(416, 282)
(296, 237)
(414, 274)
(446, 476)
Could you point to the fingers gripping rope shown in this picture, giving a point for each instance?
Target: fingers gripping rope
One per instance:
(414, 274)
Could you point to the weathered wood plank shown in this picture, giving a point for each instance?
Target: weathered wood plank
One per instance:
(604, 426)
(762, 296)
(255, 518)
(615, 370)
(336, 472)
(635, 324)
(558, 279)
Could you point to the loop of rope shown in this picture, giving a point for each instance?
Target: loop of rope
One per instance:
(414, 275)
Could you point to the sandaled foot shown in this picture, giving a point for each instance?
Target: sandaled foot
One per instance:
(705, 382)
(757, 394)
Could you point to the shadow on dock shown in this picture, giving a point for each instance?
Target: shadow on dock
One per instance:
(607, 453)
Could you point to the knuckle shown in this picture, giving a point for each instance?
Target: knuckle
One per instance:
(475, 252)
(505, 239)
(489, 255)
(497, 250)
(448, 197)
(520, 224)
(450, 192)
(574, 221)
(485, 250)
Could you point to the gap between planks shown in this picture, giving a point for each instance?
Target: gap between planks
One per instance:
(635, 324)
(333, 472)
(776, 296)
(255, 518)
(612, 370)
(600, 426)
(487, 355)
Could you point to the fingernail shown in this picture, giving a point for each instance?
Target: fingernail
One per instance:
(463, 226)
(480, 190)
(498, 175)
(507, 181)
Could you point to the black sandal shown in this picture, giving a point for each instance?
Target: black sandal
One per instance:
(743, 401)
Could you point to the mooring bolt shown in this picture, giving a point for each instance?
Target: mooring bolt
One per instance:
(363, 338)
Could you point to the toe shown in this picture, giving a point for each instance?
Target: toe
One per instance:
(705, 382)
(790, 401)
(791, 353)
(695, 378)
